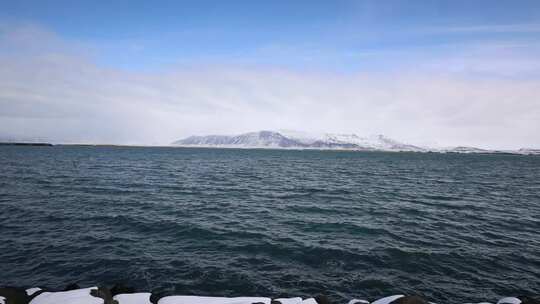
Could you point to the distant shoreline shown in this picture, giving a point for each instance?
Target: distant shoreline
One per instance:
(45, 144)
(494, 152)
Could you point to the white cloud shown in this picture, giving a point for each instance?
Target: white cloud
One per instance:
(62, 94)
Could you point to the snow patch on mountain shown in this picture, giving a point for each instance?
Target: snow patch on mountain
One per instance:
(375, 142)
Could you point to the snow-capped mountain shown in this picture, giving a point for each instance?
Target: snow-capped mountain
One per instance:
(286, 139)
(272, 139)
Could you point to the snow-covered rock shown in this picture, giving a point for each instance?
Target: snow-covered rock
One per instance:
(133, 298)
(358, 301)
(309, 301)
(296, 300)
(509, 300)
(77, 296)
(388, 300)
(212, 300)
(31, 291)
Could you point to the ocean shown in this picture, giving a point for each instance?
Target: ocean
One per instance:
(232, 222)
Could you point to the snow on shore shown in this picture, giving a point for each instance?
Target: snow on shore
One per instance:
(126, 295)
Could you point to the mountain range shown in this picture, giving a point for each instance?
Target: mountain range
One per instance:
(328, 141)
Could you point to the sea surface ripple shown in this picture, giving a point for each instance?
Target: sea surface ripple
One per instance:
(231, 222)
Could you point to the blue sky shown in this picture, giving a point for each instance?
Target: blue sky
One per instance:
(442, 73)
(327, 34)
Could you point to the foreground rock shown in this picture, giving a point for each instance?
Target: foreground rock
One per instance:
(120, 294)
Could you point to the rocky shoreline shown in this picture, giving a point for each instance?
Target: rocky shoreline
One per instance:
(121, 294)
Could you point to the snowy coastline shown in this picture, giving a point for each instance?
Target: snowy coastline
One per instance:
(120, 294)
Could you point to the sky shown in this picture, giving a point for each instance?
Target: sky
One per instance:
(435, 73)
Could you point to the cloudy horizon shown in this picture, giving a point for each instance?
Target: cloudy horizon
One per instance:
(421, 74)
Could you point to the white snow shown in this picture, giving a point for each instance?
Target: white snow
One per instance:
(387, 300)
(375, 142)
(133, 298)
(77, 296)
(83, 296)
(309, 301)
(509, 300)
(31, 291)
(303, 137)
(296, 300)
(212, 300)
(371, 142)
(357, 301)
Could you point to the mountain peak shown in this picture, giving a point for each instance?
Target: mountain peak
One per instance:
(298, 140)
(287, 139)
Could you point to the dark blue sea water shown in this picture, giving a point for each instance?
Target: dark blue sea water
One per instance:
(274, 223)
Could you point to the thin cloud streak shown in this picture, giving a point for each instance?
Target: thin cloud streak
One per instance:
(506, 28)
